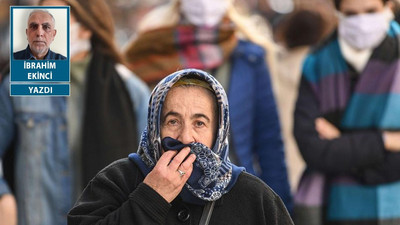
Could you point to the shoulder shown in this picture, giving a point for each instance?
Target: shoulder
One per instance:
(251, 192)
(132, 81)
(122, 165)
(320, 56)
(20, 54)
(253, 186)
(127, 75)
(59, 56)
(249, 51)
(324, 46)
(54, 55)
(121, 172)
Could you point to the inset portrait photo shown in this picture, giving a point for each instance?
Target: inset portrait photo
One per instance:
(39, 33)
(39, 51)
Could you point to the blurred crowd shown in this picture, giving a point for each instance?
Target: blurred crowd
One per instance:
(308, 116)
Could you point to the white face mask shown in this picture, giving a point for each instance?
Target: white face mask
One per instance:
(78, 45)
(365, 31)
(204, 12)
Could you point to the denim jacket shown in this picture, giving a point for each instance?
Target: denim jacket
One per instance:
(43, 172)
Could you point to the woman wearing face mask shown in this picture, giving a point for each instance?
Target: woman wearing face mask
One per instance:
(347, 122)
(62, 142)
(181, 173)
(213, 36)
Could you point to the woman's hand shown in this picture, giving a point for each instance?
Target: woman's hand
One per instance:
(165, 178)
(325, 129)
(391, 140)
(8, 210)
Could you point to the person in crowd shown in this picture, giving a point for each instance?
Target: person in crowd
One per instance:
(295, 34)
(99, 122)
(346, 121)
(214, 37)
(181, 172)
(40, 32)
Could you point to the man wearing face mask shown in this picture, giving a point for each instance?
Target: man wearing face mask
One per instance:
(212, 36)
(62, 142)
(347, 122)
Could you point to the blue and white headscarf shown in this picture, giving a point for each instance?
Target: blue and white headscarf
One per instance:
(213, 174)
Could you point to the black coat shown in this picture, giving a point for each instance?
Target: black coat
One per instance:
(118, 196)
(358, 153)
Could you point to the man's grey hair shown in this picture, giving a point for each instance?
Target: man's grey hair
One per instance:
(42, 10)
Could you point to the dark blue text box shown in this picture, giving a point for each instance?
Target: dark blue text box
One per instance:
(39, 89)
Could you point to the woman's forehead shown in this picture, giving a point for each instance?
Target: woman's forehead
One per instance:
(190, 98)
(189, 92)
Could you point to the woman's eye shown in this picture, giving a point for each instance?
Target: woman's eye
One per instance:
(172, 122)
(200, 124)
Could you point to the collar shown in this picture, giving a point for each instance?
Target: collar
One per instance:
(357, 58)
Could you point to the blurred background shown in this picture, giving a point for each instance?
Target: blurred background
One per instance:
(127, 14)
(273, 17)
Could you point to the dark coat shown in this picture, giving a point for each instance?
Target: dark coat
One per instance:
(118, 196)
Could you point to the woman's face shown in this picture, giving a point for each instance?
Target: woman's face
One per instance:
(188, 115)
(354, 7)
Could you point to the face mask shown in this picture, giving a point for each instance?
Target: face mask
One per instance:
(204, 12)
(78, 45)
(365, 31)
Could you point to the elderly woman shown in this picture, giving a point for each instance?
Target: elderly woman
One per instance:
(181, 172)
(213, 36)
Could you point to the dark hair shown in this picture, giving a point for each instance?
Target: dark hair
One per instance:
(337, 3)
(301, 28)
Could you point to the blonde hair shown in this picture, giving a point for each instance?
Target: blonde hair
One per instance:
(169, 15)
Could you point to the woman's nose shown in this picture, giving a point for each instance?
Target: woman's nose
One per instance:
(186, 135)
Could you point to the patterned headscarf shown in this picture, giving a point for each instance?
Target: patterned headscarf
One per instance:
(213, 174)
